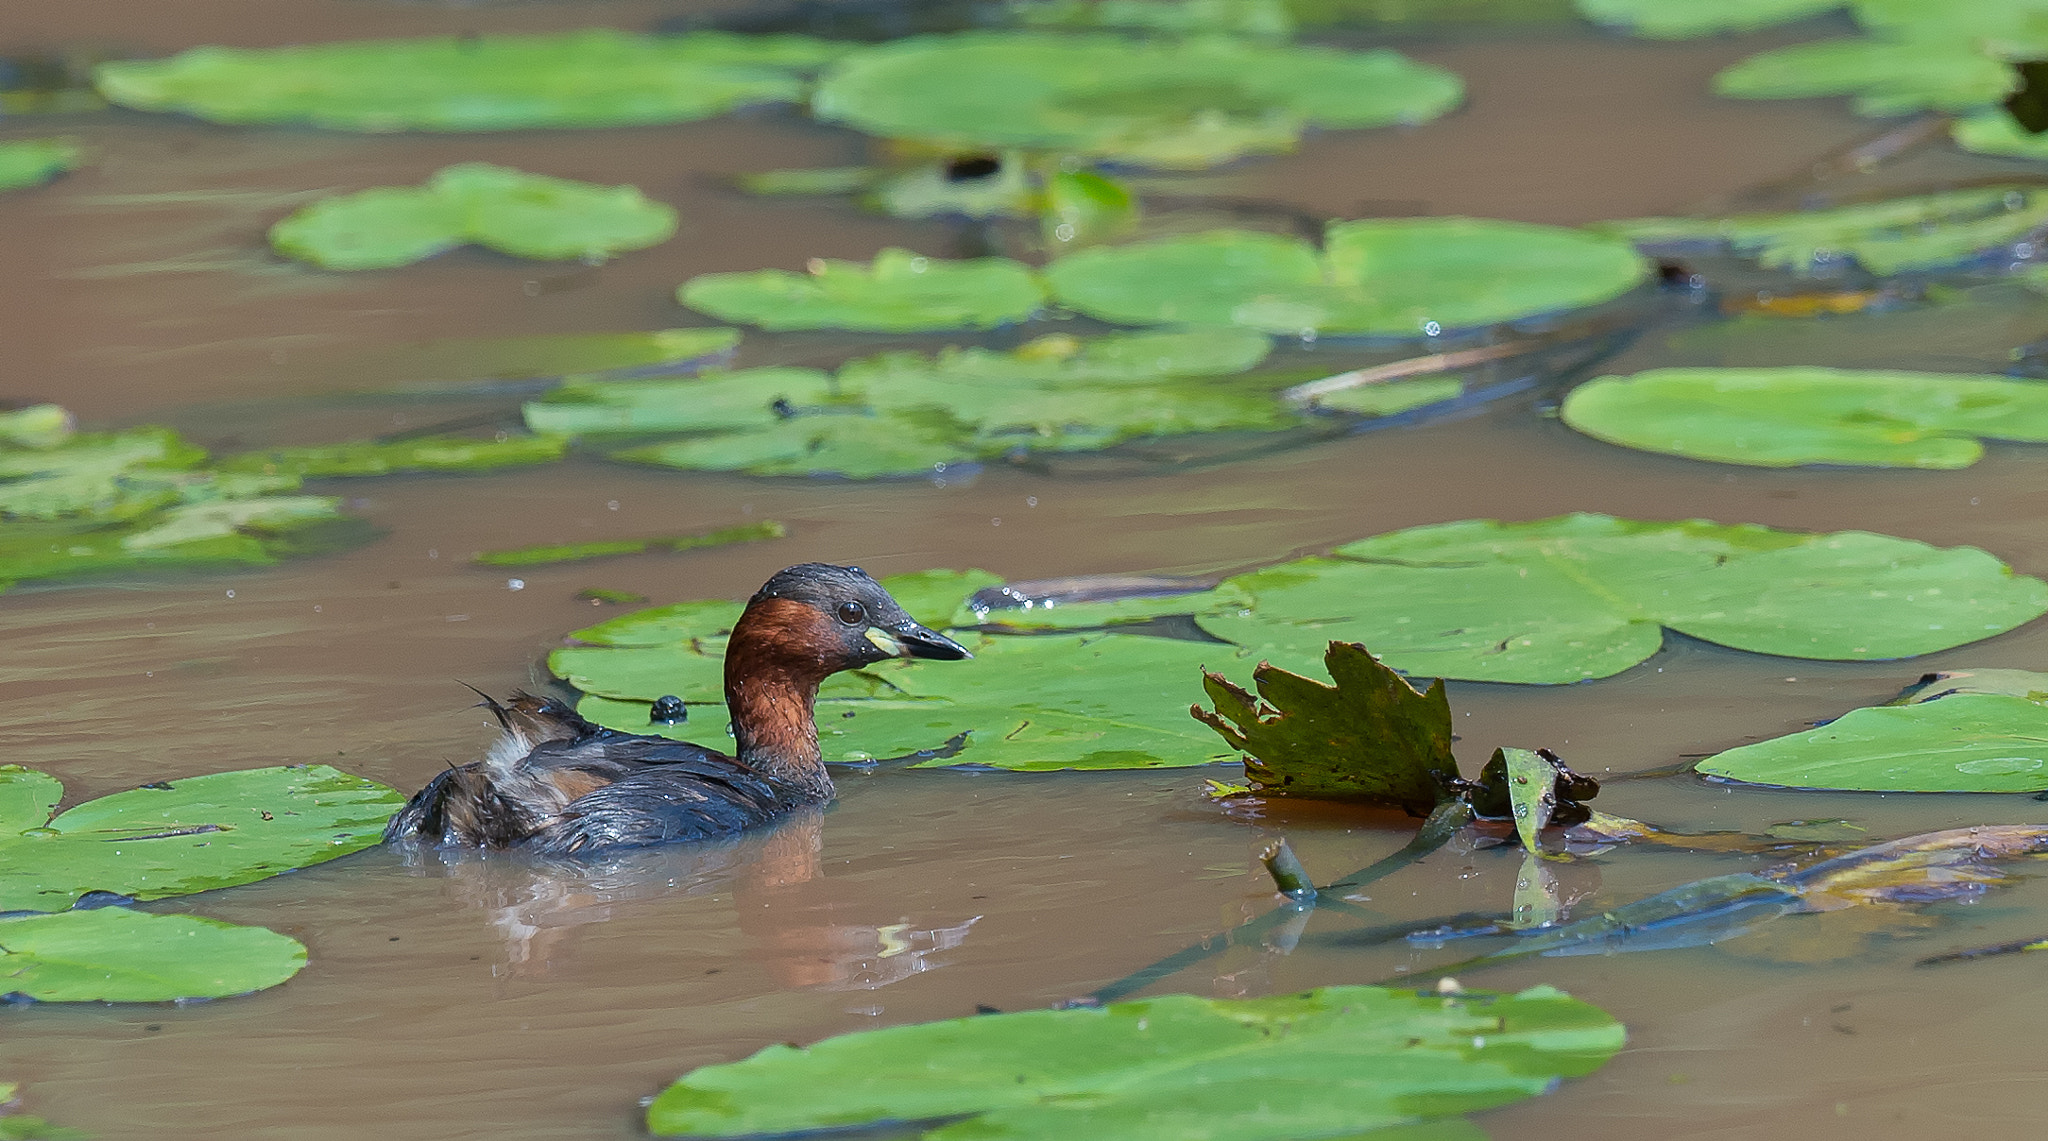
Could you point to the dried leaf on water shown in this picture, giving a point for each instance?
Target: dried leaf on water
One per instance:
(1339, 1060)
(112, 954)
(1370, 737)
(1785, 417)
(182, 836)
(510, 211)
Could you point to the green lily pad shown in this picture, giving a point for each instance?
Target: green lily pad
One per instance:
(1162, 103)
(1053, 614)
(112, 954)
(936, 598)
(590, 78)
(1974, 731)
(188, 835)
(1339, 1061)
(575, 552)
(715, 402)
(1685, 19)
(510, 211)
(190, 523)
(426, 453)
(1784, 417)
(111, 476)
(1266, 19)
(459, 362)
(899, 292)
(32, 162)
(1082, 208)
(37, 426)
(1923, 231)
(854, 446)
(1587, 596)
(1887, 77)
(1998, 133)
(1392, 277)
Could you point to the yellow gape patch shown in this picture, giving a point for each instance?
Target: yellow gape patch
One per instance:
(887, 643)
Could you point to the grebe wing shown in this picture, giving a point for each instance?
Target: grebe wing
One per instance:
(662, 803)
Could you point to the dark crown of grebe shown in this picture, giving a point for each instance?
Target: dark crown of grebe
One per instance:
(863, 624)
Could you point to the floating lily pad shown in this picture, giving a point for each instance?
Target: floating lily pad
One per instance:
(191, 523)
(426, 453)
(1998, 133)
(1894, 236)
(1177, 104)
(900, 292)
(1970, 731)
(1784, 417)
(936, 598)
(1684, 19)
(1587, 596)
(1340, 1061)
(590, 78)
(575, 552)
(111, 476)
(32, 162)
(111, 954)
(715, 402)
(463, 362)
(1053, 614)
(182, 836)
(1887, 77)
(855, 446)
(510, 211)
(1266, 19)
(1392, 277)
(37, 426)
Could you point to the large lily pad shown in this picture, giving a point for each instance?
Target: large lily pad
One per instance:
(182, 836)
(1971, 731)
(32, 162)
(590, 78)
(1684, 19)
(1179, 104)
(1897, 235)
(1340, 1061)
(1587, 596)
(899, 292)
(112, 954)
(1783, 417)
(510, 211)
(426, 453)
(1392, 277)
(857, 445)
(1887, 76)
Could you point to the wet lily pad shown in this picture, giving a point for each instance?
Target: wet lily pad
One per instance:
(899, 292)
(857, 446)
(1970, 731)
(112, 954)
(182, 836)
(576, 552)
(1346, 1061)
(1684, 19)
(1588, 596)
(1163, 103)
(426, 453)
(1886, 76)
(1784, 417)
(1919, 232)
(32, 162)
(1053, 614)
(112, 475)
(1391, 277)
(589, 78)
(715, 402)
(510, 211)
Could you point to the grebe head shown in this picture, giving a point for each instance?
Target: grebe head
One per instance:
(845, 618)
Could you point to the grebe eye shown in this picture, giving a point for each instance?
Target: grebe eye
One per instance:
(852, 613)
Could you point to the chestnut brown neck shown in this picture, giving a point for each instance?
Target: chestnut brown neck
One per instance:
(778, 654)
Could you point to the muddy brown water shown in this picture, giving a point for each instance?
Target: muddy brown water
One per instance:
(459, 996)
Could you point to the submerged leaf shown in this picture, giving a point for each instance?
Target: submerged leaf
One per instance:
(590, 78)
(1783, 417)
(1184, 104)
(1585, 596)
(899, 292)
(112, 954)
(1340, 1060)
(1385, 277)
(510, 211)
(1371, 736)
(193, 834)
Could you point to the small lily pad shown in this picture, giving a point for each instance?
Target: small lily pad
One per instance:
(590, 78)
(1898, 235)
(1587, 596)
(717, 401)
(1783, 417)
(510, 211)
(1971, 731)
(1340, 1061)
(112, 954)
(187, 835)
(32, 162)
(1390, 277)
(899, 292)
(576, 552)
(854, 446)
(1163, 103)
(426, 453)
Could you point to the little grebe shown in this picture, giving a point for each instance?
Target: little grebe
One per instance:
(562, 785)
